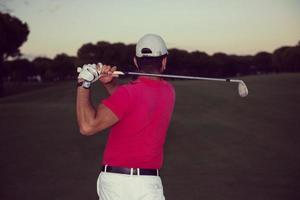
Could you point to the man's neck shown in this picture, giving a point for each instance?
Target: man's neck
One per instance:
(151, 77)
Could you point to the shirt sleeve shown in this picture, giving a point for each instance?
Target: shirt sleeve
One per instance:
(118, 102)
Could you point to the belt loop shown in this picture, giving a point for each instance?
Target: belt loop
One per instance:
(138, 171)
(131, 171)
(157, 172)
(105, 167)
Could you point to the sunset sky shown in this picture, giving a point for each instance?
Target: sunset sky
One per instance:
(230, 26)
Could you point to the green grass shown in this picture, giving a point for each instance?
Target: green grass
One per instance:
(219, 146)
(13, 88)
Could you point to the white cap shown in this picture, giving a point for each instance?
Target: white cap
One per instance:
(151, 45)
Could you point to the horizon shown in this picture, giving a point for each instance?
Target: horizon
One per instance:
(231, 27)
(32, 57)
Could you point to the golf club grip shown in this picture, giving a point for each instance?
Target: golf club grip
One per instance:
(118, 73)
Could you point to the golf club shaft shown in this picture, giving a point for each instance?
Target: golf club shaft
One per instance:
(178, 76)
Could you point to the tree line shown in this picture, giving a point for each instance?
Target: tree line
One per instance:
(63, 66)
(13, 33)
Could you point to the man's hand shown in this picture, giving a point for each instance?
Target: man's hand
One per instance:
(90, 72)
(107, 74)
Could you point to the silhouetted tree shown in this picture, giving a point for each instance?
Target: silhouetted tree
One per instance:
(243, 64)
(44, 67)
(278, 59)
(286, 59)
(200, 63)
(13, 33)
(117, 54)
(292, 59)
(100, 52)
(178, 61)
(263, 62)
(19, 70)
(64, 66)
(223, 65)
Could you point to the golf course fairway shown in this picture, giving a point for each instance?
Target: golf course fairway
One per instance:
(219, 146)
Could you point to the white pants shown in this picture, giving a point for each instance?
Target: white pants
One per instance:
(113, 186)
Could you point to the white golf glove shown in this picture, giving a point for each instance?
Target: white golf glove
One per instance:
(90, 72)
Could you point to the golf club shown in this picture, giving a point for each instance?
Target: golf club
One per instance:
(242, 88)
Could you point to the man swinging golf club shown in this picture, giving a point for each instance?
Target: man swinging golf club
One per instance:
(139, 115)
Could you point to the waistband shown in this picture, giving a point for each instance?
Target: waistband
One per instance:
(131, 171)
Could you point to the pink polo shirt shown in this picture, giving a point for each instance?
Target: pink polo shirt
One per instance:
(144, 108)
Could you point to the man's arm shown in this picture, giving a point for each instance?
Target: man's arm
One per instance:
(108, 82)
(111, 86)
(90, 119)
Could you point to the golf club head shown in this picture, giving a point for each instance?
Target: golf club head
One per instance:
(243, 90)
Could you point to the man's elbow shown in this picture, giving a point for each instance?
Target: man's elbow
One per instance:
(86, 130)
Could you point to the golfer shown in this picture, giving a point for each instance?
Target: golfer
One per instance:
(138, 114)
